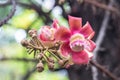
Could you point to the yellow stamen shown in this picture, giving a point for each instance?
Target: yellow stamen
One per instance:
(76, 36)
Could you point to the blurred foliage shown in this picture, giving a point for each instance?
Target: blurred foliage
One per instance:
(47, 75)
(10, 47)
(24, 19)
(4, 11)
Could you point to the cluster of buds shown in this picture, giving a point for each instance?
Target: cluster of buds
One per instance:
(58, 45)
(45, 55)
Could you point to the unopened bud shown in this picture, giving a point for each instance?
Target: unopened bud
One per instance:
(51, 59)
(51, 66)
(61, 1)
(61, 62)
(57, 44)
(24, 42)
(34, 35)
(32, 32)
(40, 67)
(39, 56)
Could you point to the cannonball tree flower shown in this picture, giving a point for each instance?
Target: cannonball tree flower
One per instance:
(47, 34)
(76, 41)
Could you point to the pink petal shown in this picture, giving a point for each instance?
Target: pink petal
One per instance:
(55, 24)
(91, 35)
(80, 57)
(42, 37)
(90, 54)
(75, 23)
(62, 34)
(45, 33)
(91, 45)
(65, 49)
(86, 30)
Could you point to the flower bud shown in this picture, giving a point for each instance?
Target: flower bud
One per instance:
(32, 32)
(51, 59)
(51, 66)
(40, 67)
(24, 42)
(57, 44)
(34, 35)
(39, 56)
(61, 62)
(61, 1)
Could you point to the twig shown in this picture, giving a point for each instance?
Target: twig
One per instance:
(98, 66)
(4, 21)
(17, 59)
(33, 6)
(40, 11)
(103, 6)
(92, 2)
(101, 37)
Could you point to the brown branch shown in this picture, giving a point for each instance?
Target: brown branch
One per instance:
(104, 70)
(4, 21)
(101, 36)
(103, 6)
(17, 59)
(33, 6)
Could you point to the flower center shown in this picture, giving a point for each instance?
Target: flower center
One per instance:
(77, 42)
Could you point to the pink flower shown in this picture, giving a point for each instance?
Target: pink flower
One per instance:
(76, 40)
(47, 34)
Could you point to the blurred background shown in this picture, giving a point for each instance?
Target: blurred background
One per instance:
(103, 15)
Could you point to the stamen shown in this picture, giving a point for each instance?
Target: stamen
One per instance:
(77, 45)
(76, 36)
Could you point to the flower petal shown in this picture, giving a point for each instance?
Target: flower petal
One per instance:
(90, 45)
(42, 37)
(45, 33)
(80, 57)
(86, 30)
(55, 24)
(91, 35)
(90, 54)
(75, 23)
(65, 49)
(62, 34)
